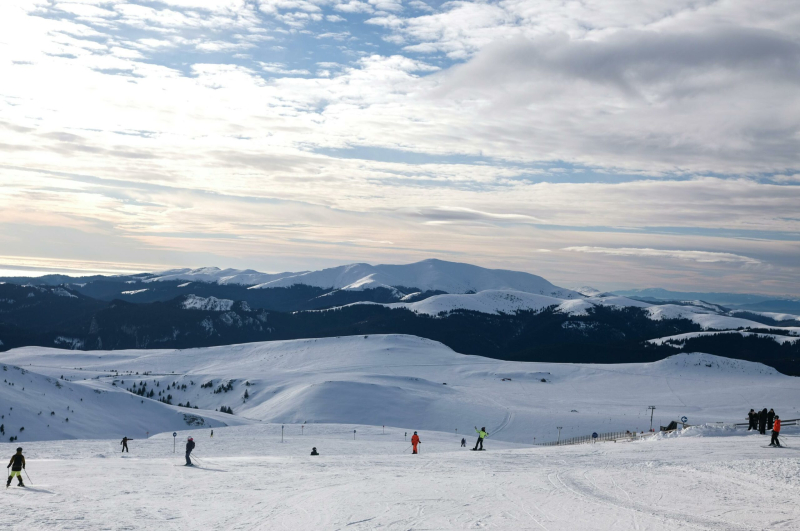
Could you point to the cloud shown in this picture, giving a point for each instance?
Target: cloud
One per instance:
(694, 256)
(473, 131)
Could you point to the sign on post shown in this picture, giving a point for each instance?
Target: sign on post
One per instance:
(174, 434)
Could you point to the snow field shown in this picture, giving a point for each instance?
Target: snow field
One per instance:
(385, 380)
(248, 479)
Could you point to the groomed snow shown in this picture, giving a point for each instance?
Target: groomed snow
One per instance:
(249, 479)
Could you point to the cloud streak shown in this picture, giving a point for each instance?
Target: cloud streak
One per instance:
(675, 254)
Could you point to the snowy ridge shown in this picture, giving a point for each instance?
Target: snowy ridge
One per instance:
(193, 302)
(771, 315)
(246, 277)
(427, 275)
(678, 340)
(397, 380)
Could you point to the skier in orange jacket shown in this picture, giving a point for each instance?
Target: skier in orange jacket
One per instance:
(414, 442)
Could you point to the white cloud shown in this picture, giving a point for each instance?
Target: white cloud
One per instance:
(694, 256)
(528, 126)
(354, 6)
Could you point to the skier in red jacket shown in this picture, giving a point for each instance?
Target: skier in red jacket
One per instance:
(776, 431)
(414, 442)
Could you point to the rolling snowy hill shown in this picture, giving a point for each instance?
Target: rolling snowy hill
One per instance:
(427, 275)
(381, 380)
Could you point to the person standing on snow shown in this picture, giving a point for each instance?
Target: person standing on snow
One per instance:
(753, 418)
(463, 442)
(762, 422)
(776, 431)
(16, 464)
(414, 442)
(770, 418)
(189, 448)
(124, 444)
(481, 436)
(212, 433)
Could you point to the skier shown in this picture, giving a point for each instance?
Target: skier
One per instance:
(481, 435)
(753, 418)
(189, 448)
(770, 418)
(762, 422)
(314, 451)
(124, 444)
(776, 431)
(414, 442)
(16, 464)
(212, 433)
(463, 442)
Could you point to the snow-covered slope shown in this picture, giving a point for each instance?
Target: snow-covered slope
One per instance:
(408, 381)
(38, 407)
(249, 478)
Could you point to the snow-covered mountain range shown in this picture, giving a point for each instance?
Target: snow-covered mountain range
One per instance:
(427, 275)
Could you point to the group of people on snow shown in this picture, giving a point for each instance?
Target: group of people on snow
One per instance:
(765, 420)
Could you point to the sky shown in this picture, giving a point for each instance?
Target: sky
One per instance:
(617, 144)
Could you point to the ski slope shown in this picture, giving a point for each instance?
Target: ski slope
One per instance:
(248, 479)
(390, 380)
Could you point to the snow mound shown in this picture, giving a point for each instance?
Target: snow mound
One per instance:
(213, 304)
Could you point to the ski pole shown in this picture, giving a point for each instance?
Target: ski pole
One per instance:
(404, 451)
(29, 478)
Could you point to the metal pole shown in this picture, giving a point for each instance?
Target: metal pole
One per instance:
(281, 433)
(559, 434)
(652, 410)
(354, 435)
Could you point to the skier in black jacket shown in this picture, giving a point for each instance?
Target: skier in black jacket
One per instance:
(753, 418)
(189, 448)
(770, 418)
(124, 444)
(16, 464)
(762, 422)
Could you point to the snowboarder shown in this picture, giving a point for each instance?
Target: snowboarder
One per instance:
(414, 442)
(189, 448)
(776, 431)
(124, 444)
(481, 436)
(463, 442)
(314, 451)
(753, 418)
(762, 422)
(16, 464)
(770, 418)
